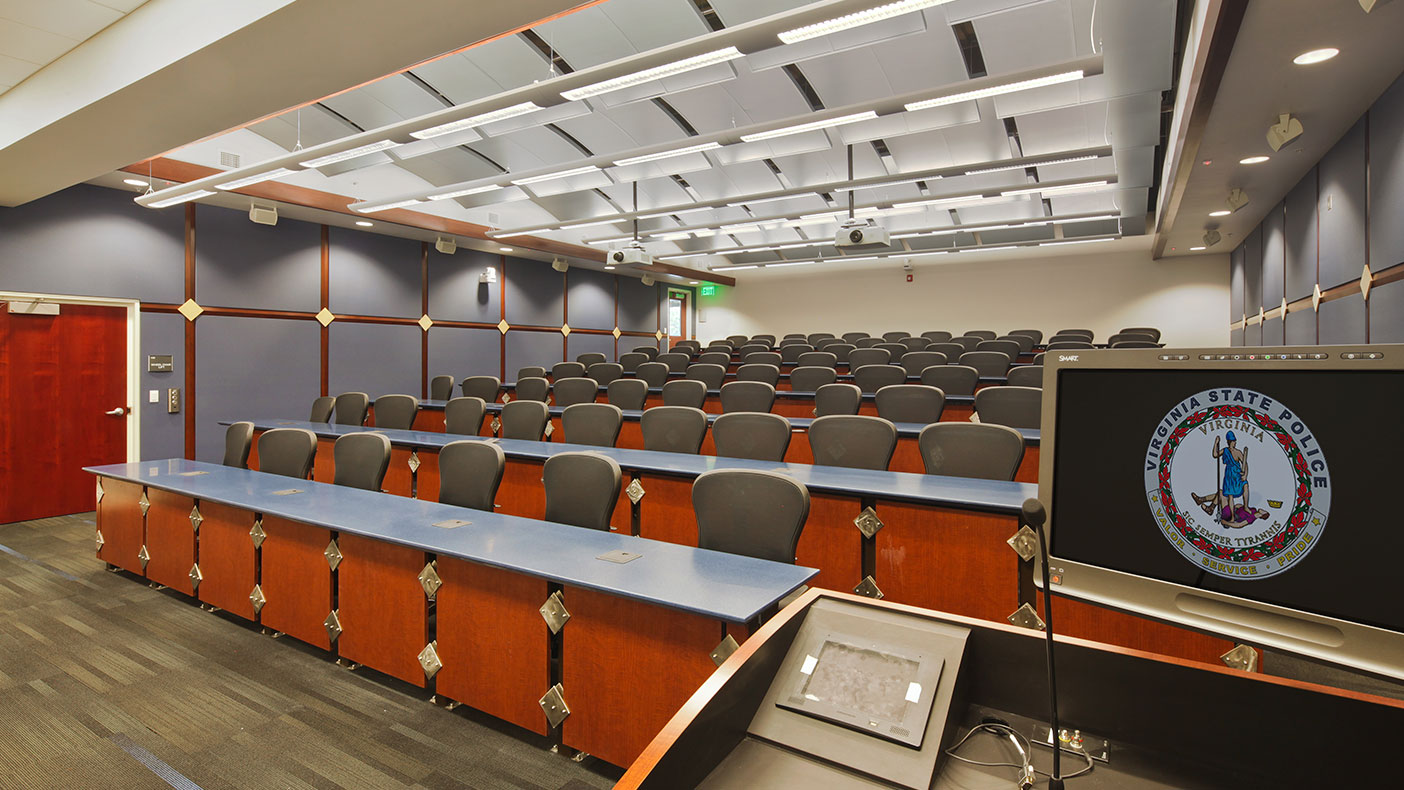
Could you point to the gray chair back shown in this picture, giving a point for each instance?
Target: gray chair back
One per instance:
(1124, 337)
(1087, 333)
(753, 435)
(627, 393)
(820, 345)
(1009, 348)
(287, 451)
(937, 336)
(841, 351)
(464, 416)
(604, 372)
(631, 361)
(1135, 344)
(1017, 407)
(1025, 376)
(767, 339)
(1144, 330)
(893, 337)
(322, 409)
(868, 356)
(361, 460)
(469, 474)
(1024, 342)
(854, 441)
(722, 358)
(983, 334)
(751, 513)
(591, 358)
(655, 374)
(691, 347)
(238, 440)
(567, 370)
(711, 375)
(895, 349)
(676, 361)
(991, 364)
(837, 399)
(737, 341)
(762, 358)
(815, 337)
(871, 378)
(396, 412)
(917, 403)
(352, 408)
(753, 372)
(591, 423)
(720, 345)
(968, 342)
(533, 388)
(852, 338)
(531, 372)
(869, 342)
(747, 396)
(792, 352)
(483, 387)
(811, 378)
(1038, 359)
(951, 350)
(915, 343)
(822, 359)
(524, 419)
(957, 380)
(581, 489)
(1055, 345)
(441, 388)
(575, 390)
(649, 351)
(685, 392)
(916, 361)
(1034, 334)
(673, 429)
(971, 449)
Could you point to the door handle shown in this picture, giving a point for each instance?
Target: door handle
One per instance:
(117, 412)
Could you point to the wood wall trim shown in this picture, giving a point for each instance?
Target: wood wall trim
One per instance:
(1342, 291)
(325, 303)
(502, 307)
(424, 307)
(189, 398)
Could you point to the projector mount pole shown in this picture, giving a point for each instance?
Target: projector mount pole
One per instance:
(850, 184)
(636, 212)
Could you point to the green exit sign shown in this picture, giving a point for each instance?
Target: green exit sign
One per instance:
(709, 290)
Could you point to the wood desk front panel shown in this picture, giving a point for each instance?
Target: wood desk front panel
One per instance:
(665, 512)
(953, 561)
(831, 543)
(521, 492)
(120, 521)
(228, 559)
(383, 610)
(170, 540)
(398, 477)
(296, 580)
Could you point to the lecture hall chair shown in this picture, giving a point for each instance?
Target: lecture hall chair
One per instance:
(673, 429)
(852, 441)
(811, 378)
(1017, 407)
(470, 473)
(753, 513)
(238, 441)
(322, 409)
(571, 391)
(464, 416)
(396, 412)
(684, 392)
(581, 489)
(628, 394)
(287, 451)
(739, 396)
(971, 449)
(441, 388)
(957, 380)
(352, 408)
(361, 460)
(595, 424)
(918, 403)
(753, 435)
(524, 419)
(757, 372)
(483, 387)
(837, 399)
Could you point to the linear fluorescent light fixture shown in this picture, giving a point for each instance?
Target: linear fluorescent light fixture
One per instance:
(388, 206)
(476, 120)
(610, 240)
(885, 184)
(464, 192)
(995, 90)
(1061, 190)
(1077, 241)
(1044, 163)
(655, 73)
(577, 171)
(790, 263)
(350, 153)
(249, 181)
(691, 149)
(735, 268)
(856, 19)
(186, 198)
(671, 212)
(589, 224)
(776, 199)
(810, 127)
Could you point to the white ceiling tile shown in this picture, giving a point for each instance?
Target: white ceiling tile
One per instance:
(75, 19)
(13, 70)
(23, 42)
(586, 38)
(649, 24)
(1028, 37)
(125, 6)
(847, 78)
(914, 63)
(735, 12)
(500, 65)
(758, 97)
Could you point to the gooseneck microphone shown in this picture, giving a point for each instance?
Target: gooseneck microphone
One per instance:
(1033, 515)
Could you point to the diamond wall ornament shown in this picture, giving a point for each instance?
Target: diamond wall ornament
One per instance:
(333, 554)
(257, 599)
(1241, 657)
(195, 518)
(1259, 319)
(425, 322)
(325, 316)
(195, 576)
(413, 462)
(506, 398)
(503, 326)
(868, 588)
(553, 704)
(144, 502)
(617, 333)
(1024, 543)
(1026, 617)
(429, 580)
(257, 533)
(565, 329)
(1316, 297)
(548, 430)
(635, 491)
(333, 625)
(868, 522)
(723, 651)
(554, 612)
(496, 425)
(1283, 312)
(658, 334)
(100, 541)
(1365, 282)
(99, 490)
(190, 310)
(429, 660)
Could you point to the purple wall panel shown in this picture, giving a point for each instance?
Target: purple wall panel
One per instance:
(377, 359)
(464, 352)
(454, 291)
(535, 294)
(374, 275)
(162, 433)
(242, 264)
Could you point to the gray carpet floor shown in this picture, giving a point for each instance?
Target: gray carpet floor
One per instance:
(106, 682)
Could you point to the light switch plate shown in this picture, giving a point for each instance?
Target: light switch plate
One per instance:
(154, 396)
(173, 401)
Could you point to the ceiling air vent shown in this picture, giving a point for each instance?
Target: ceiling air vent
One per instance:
(229, 161)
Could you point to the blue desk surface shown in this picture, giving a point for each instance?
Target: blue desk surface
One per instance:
(959, 492)
(710, 583)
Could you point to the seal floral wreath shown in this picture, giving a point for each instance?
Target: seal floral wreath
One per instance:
(1300, 509)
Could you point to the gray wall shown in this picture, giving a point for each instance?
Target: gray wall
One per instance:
(1343, 214)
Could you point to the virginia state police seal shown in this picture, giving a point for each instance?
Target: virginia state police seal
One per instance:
(1237, 483)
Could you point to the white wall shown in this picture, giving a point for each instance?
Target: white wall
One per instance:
(1114, 287)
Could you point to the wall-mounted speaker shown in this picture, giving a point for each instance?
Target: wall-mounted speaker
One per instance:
(559, 264)
(264, 215)
(445, 245)
(647, 280)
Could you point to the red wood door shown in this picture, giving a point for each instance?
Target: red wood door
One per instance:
(59, 375)
(675, 319)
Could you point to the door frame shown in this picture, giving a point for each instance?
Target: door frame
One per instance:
(133, 366)
(669, 294)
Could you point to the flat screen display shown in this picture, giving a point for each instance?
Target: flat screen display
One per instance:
(1272, 486)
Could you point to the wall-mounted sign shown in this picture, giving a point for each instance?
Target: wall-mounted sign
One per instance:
(709, 290)
(159, 363)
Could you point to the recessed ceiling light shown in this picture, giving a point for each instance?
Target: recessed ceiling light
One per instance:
(365, 223)
(1253, 160)
(388, 206)
(1197, 249)
(136, 182)
(1223, 212)
(1316, 56)
(692, 282)
(609, 268)
(505, 249)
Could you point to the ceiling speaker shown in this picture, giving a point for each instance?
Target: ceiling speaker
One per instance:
(559, 264)
(1284, 131)
(264, 215)
(445, 245)
(647, 280)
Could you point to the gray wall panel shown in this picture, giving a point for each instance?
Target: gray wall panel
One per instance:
(252, 368)
(464, 352)
(1235, 337)
(1253, 270)
(373, 275)
(1274, 249)
(241, 264)
(535, 294)
(591, 299)
(1253, 335)
(1300, 226)
(532, 348)
(94, 241)
(1341, 204)
(162, 433)
(1387, 178)
(1272, 332)
(584, 344)
(638, 305)
(1343, 320)
(1300, 328)
(377, 359)
(1387, 313)
(1236, 311)
(454, 291)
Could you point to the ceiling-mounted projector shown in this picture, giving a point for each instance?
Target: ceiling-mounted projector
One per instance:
(633, 255)
(859, 235)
